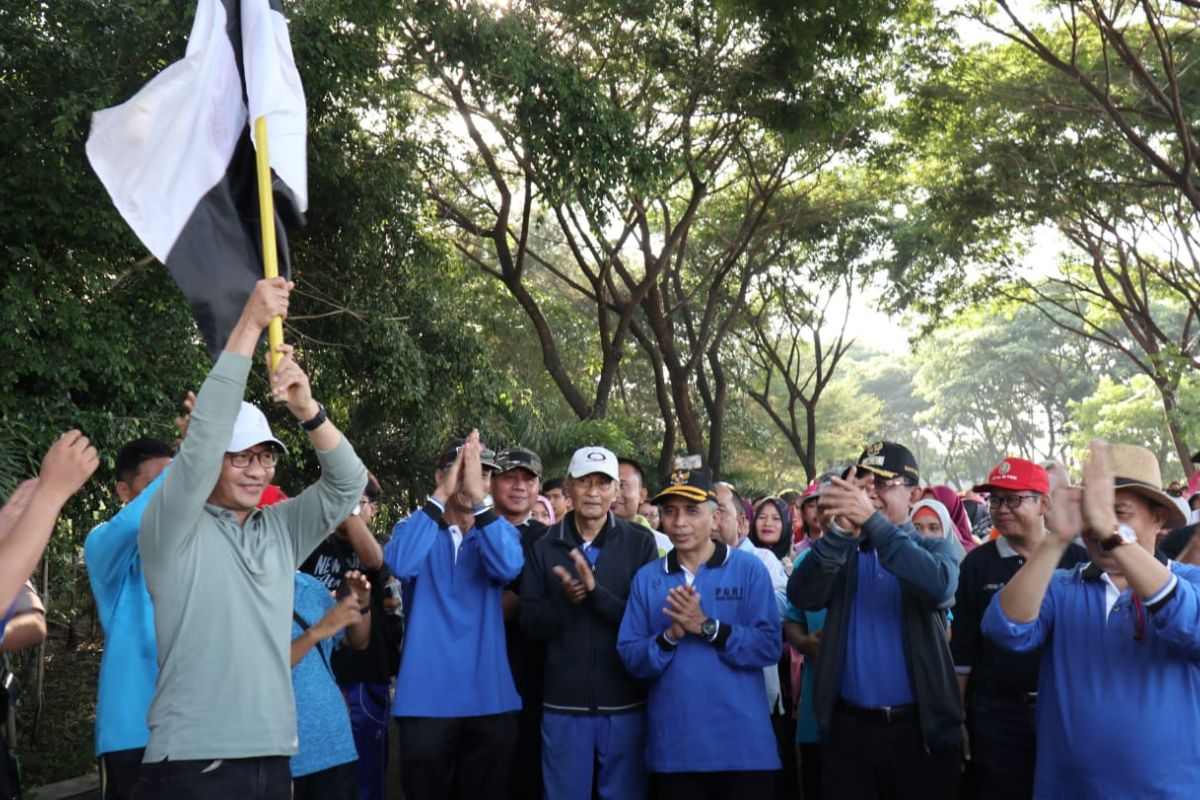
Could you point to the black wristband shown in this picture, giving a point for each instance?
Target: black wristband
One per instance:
(317, 421)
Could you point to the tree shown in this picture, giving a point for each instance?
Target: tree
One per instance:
(1137, 83)
(1013, 137)
(1129, 411)
(637, 160)
(793, 348)
(999, 380)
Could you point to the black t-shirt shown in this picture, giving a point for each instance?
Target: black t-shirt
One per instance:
(378, 662)
(983, 572)
(525, 655)
(332, 558)
(1173, 543)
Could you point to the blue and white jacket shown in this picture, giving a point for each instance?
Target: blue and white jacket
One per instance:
(454, 663)
(709, 694)
(1118, 712)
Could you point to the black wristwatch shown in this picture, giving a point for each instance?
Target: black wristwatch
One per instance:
(317, 421)
(709, 628)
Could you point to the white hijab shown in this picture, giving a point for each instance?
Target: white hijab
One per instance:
(947, 526)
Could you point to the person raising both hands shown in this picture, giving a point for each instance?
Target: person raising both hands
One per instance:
(1120, 666)
(219, 570)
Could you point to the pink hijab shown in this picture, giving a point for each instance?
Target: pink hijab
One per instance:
(958, 515)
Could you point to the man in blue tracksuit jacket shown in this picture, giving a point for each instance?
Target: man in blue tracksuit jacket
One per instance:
(700, 625)
(455, 697)
(129, 666)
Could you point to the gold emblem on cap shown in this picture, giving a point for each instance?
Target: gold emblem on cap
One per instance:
(680, 476)
(877, 447)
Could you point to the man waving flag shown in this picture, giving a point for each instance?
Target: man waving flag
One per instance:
(178, 158)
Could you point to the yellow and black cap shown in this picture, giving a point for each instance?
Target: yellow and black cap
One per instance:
(889, 460)
(691, 484)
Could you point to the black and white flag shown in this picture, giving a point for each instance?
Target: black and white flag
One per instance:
(178, 157)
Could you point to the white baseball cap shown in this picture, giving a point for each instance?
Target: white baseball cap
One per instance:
(590, 460)
(251, 428)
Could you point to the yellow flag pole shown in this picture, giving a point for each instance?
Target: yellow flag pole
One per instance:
(266, 213)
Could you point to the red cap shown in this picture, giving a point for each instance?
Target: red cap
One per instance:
(271, 495)
(1015, 475)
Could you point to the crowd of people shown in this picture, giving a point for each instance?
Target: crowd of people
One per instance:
(581, 636)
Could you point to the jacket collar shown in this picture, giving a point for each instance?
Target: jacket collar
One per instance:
(568, 535)
(718, 558)
(1004, 548)
(1091, 572)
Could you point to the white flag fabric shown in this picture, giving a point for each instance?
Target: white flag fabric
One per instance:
(178, 163)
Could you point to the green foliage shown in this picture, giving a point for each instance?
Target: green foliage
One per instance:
(1130, 411)
(98, 337)
(999, 380)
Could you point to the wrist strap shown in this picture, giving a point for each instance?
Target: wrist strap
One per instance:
(317, 421)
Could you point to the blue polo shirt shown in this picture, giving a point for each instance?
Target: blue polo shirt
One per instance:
(129, 666)
(875, 673)
(1118, 713)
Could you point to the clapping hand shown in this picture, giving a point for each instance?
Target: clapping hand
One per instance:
(683, 608)
(1099, 492)
(341, 615)
(471, 470)
(846, 503)
(575, 589)
(1064, 520)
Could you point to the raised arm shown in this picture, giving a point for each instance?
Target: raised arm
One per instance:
(317, 510)
(28, 518)
(169, 520)
(499, 543)
(362, 542)
(927, 566)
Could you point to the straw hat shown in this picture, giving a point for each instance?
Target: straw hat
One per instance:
(1136, 469)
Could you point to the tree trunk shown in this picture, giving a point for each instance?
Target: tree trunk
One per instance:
(1170, 414)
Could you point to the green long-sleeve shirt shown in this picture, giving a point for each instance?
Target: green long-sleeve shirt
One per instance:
(223, 591)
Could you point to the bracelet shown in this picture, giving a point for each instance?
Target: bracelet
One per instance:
(317, 421)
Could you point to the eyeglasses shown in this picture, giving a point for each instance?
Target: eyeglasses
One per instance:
(1012, 501)
(267, 459)
(883, 484)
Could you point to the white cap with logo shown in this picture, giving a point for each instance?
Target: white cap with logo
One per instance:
(590, 460)
(251, 428)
